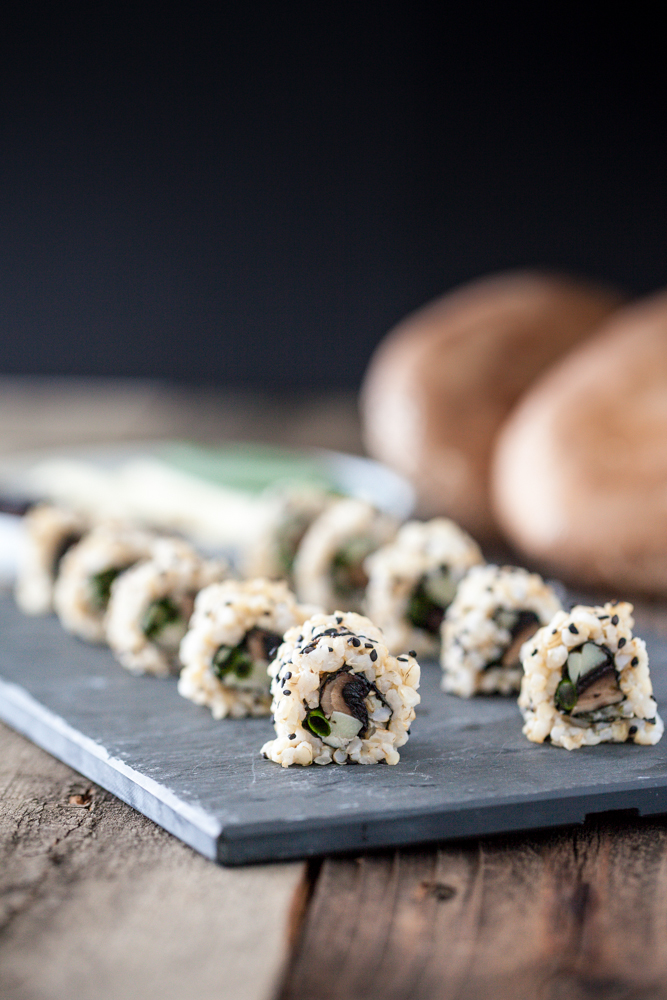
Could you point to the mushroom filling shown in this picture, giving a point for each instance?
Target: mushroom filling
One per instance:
(61, 550)
(100, 586)
(430, 599)
(589, 682)
(522, 626)
(245, 665)
(343, 712)
(348, 576)
(165, 621)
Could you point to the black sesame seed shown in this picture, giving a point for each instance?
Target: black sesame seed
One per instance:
(632, 730)
(288, 674)
(621, 642)
(355, 642)
(265, 756)
(602, 617)
(292, 736)
(339, 619)
(614, 620)
(286, 693)
(634, 661)
(573, 629)
(412, 652)
(403, 659)
(373, 655)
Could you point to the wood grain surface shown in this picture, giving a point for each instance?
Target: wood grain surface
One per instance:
(573, 916)
(98, 902)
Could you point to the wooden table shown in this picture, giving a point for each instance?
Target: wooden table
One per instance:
(98, 902)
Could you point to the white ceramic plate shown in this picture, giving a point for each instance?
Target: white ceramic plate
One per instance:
(188, 486)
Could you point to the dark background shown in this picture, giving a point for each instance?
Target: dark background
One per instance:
(254, 198)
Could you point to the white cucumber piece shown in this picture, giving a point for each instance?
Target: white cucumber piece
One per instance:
(257, 679)
(440, 588)
(506, 619)
(582, 661)
(345, 727)
(170, 636)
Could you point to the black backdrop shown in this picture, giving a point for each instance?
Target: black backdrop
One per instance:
(256, 197)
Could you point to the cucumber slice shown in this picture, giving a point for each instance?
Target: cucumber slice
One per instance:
(440, 587)
(584, 659)
(345, 727)
(506, 619)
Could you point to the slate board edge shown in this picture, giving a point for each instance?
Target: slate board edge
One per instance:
(241, 843)
(248, 843)
(194, 826)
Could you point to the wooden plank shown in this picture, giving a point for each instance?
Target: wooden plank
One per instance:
(577, 915)
(96, 901)
(43, 412)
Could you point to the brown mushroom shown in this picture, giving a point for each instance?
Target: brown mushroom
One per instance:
(580, 468)
(345, 693)
(441, 383)
(602, 690)
(510, 657)
(331, 699)
(262, 644)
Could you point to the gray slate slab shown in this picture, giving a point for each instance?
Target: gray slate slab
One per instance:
(467, 769)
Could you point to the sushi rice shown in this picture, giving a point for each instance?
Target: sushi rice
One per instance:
(235, 631)
(586, 681)
(339, 695)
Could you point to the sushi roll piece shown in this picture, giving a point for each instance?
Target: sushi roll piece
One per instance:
(586, 681)
(289, 512)
(496, 610)
(234, 635)
(339, 695)
(48, 533)
(151, 604)
(413, 580)
(87, 571)
(329, 566)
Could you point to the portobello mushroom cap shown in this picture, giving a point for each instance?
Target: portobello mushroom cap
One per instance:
(442, 382)
(580, 468)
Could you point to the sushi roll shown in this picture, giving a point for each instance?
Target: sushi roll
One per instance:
(151, 604)
(82, 590)
(586, 681)
(339, 695)
(234, 634)
(413, 580)
(48, 533)
(289, 512)
(329, 566)
(496, 610)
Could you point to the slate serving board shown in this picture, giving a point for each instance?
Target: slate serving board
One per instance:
(467, 769)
